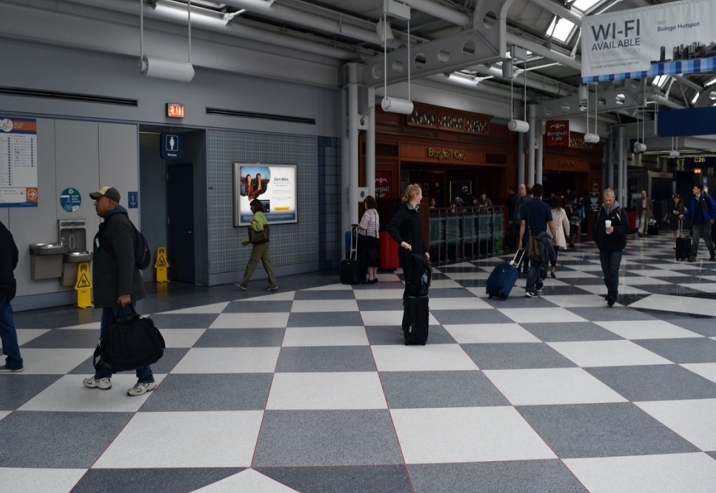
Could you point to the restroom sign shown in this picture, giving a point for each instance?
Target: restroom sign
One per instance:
(171, 146)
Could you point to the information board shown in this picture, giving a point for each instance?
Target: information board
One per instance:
(273, 184)
(18, 162)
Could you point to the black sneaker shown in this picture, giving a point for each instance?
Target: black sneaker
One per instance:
(5, 369)
(611, 300)
(240, 286)
(692, 259)
(272, 288)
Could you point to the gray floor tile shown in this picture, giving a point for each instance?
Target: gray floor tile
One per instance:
(257, 306)
(457, 317)
(338, 294)
(573, 331)
(382, 305)
(389, 335)
(673, 289)
(704, 326)
(325, 319)
(57, 440)
(66, 338)
(225, 392)
(701, 350)
(440, 389)
(16, 390)
(602, 430)
(184, 320)
(521, 301)
(450, 293)
(495, 477)
(655, 382)
(343, 479)
(610, 314)
(169, 360)
(241, 338)
(150, 480)
(319, 438)
(381, 285)
(515, 356)
(325, 359)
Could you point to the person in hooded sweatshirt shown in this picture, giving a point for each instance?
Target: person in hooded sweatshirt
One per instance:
(117, 280)
(611, 241)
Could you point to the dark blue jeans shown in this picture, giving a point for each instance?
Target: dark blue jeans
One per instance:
(610, 268)
(109, 314)
(8, 335)
(534, 280)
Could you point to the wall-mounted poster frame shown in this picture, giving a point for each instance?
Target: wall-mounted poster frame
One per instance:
(275, 185)
(18, 162)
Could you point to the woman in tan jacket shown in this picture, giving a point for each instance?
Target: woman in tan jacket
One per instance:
(561, 224)
(644, 211)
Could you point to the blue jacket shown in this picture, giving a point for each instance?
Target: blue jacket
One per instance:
(697, 211)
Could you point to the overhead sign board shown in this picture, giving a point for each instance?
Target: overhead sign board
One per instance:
(557, 133)
(672, 38)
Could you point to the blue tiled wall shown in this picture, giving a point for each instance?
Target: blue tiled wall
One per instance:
(329, 202)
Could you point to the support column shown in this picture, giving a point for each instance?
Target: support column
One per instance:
(539, 165)
(345, 167)
(370, 144)
(610, 161)
(353, 142)
(532, 113)
(520, 159)
(621, 165)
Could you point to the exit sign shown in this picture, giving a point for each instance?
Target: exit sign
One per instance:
(175, 110)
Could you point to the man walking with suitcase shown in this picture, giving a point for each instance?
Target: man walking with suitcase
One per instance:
(118, 282)
(702, 210)
(536, 220)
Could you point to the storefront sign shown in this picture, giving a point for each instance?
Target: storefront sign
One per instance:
(557, 133)
(672, 38)
(18, 162)
(441, 154)
(578, 143)
(383, 184)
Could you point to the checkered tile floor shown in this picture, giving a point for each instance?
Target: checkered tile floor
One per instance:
(312, 390)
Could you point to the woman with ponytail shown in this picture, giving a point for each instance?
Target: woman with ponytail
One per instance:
(405, 227)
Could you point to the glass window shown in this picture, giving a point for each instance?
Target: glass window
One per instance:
(560, 29)
(585, 5)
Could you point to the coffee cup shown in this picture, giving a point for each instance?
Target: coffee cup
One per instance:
(607, 224)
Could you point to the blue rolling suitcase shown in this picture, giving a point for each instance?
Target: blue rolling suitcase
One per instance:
(503, 277)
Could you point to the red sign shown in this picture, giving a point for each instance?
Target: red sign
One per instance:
(557, 133)
(383, 184)
(175, 110)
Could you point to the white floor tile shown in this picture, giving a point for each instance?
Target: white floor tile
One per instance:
(331, 287)
(602, 290)
(673, 473)
(247, 481)
(694, 420)
(551, 386)
(432, 357)
(458, 304)
(675, 266)
(640, 281)
(392, 317)
(229, 360)
(339, 390)
(480, 434)
(461, 276)
(212, 308)
(564, 273)
(90, 325)
(489, 333)
(706, 370)
(4, 414)
(179, 338)
(585, 268)
(250, 321)
(541, 315)
(647, 329)
(52, 361)
(607, 353)
(280, 296)
(27, 480)
(379, 294)
(170, 439)
(576, 300)
(26, 335)
(659, 273)
(677, 304)
(706, 287)
(444, 284)
(304, 306)
(69, 395)
(708, 278)
(325, 336)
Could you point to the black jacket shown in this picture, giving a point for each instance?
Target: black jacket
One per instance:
(8, 262)
(620, 222)
(405, 227)
(113, 269)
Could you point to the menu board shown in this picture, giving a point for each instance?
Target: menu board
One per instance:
(274, 185)
(18, 162)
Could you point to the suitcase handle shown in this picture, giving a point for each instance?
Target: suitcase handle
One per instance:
(514, 261)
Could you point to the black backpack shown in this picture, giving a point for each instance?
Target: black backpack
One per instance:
(418, 276)
(142, 253)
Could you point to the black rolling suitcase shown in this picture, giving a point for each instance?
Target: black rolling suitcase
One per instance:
(415, 306)
(652, 228)
(350, 267)
(683, 245)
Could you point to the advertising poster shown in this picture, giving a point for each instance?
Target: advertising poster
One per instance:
(18, 162)
(273, 184)
(672, 38)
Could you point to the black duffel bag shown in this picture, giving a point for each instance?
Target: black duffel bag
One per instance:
(129, 343)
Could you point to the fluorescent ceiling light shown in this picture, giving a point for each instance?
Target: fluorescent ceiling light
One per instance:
(561, 30)
(660, 81)
(465, 80)
(179, 12)
(711, 82)
(693, 101)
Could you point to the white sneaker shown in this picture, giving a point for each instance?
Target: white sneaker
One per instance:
(142, 388)
(102, 383)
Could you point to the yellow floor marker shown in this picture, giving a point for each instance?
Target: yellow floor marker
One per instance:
(84, 286)
(162, 264)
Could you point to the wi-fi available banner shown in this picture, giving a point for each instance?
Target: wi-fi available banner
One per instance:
(672, 38)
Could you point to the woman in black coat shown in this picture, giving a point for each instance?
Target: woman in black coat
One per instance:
(405, 227)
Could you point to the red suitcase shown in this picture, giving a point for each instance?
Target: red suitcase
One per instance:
(388, 252)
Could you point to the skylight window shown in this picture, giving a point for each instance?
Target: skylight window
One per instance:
(560, 29)
(585, 5)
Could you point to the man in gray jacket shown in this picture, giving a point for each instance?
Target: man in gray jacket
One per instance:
(117, 281)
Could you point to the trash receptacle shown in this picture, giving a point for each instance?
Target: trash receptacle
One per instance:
(46, 260)
(69, 267)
